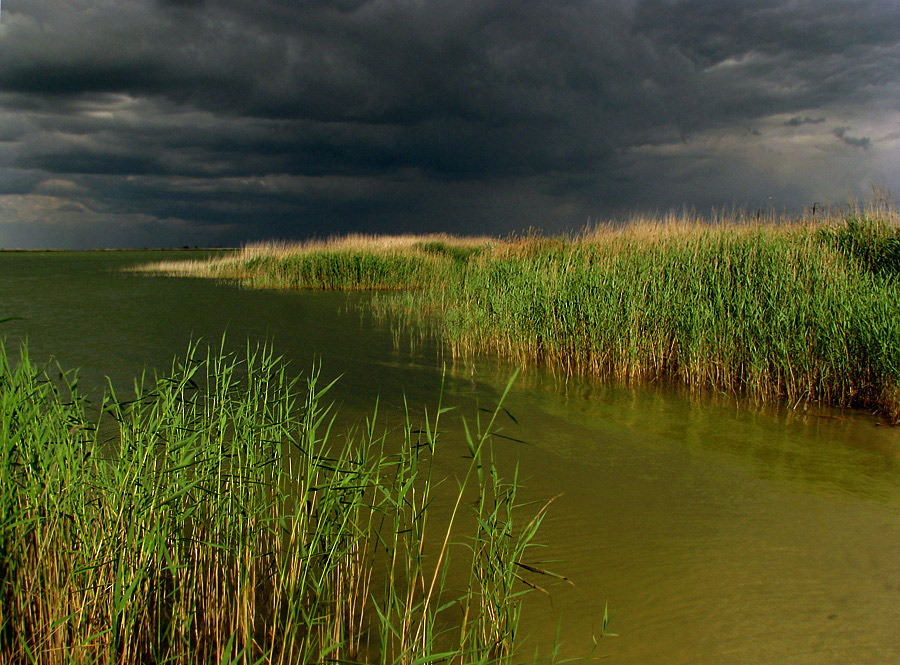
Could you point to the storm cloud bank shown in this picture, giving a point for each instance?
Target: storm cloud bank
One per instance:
(159, 122)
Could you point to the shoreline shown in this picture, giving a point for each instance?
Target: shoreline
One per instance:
(800, 312)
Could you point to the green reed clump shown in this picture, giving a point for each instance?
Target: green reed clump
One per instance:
(873, 243)
(226, 522)
(457, 252)
(349, 263)
(336, 270)
(772, 312)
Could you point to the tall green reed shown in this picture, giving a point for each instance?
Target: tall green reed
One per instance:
(776, 313)
(225, 521)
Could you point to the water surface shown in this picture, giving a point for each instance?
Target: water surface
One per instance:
(716, 531)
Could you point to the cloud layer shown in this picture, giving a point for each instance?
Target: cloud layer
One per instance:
(158, 122)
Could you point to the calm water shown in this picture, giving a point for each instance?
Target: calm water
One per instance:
(717, 533)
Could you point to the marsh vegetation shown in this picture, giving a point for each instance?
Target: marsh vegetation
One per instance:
(216, 516)
(776, 309)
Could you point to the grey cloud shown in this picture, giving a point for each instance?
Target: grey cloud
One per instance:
(713, 32)
(72, 207)
(863, 142)
(797, 121)
(16, 181)
(78, 78)
(181, 3)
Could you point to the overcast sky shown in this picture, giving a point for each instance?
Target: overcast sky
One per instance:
(209, 122)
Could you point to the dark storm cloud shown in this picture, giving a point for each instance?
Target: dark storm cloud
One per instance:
(287, 117)
(797, 120)
(60, 78)
(181, 3)
(863, 142)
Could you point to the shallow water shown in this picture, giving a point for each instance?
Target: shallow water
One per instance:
(717, 532)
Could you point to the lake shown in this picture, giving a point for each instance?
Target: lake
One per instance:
(715, 530)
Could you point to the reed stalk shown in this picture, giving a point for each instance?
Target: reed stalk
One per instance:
(226, 521)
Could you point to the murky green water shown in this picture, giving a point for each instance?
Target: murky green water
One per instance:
(717, 533)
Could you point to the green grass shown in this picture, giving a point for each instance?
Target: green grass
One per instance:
(349, 263)
(782, 310)
(873, 244)
(216, 516)
(775, 313)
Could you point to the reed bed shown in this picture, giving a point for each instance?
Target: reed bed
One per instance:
(346, 263)
(223, 520)
(792, 313)
(798, 310)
